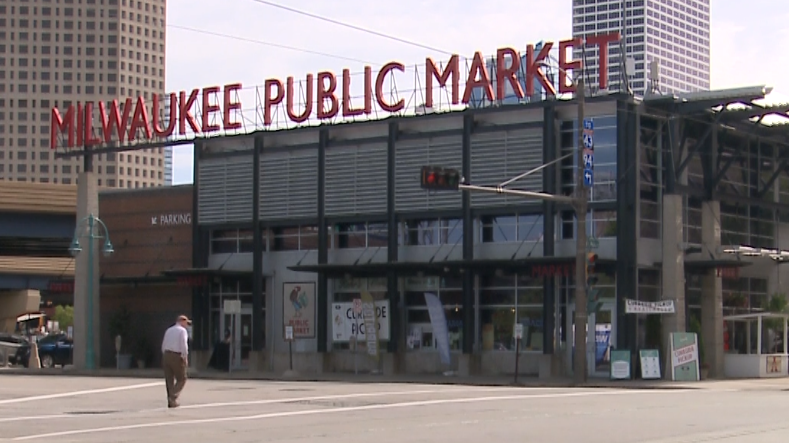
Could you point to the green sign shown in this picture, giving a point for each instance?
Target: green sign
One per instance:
(684, 356)
(620, 364)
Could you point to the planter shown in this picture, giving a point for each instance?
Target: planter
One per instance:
(124, 361)
(705, 372)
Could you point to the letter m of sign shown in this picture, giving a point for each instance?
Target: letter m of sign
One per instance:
(59, 125)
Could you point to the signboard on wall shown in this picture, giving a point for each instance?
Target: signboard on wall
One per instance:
(298, 308)
(345, 321)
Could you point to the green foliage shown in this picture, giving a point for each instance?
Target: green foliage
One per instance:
(777, 304)
(64, 315)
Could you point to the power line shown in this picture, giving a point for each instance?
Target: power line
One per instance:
(274, 45)
(354, 27)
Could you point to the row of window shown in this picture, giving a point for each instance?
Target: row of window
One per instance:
(489, 229)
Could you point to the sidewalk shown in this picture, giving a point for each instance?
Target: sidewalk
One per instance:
(523, 381)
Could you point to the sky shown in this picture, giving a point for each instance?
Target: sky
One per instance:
(743, 40)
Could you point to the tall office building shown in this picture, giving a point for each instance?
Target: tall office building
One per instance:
(480, 100)
(60, 52)
(168, 166)
(673, 33)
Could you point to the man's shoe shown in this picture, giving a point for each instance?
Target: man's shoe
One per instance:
(173, 404)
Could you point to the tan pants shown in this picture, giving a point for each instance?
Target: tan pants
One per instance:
(174, 369)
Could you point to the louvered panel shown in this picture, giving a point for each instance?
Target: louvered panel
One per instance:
(499, 156)
(411, 155)
(289, 185)
(225, 190)
(356, 179)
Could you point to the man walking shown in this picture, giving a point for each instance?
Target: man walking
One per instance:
(175, 358)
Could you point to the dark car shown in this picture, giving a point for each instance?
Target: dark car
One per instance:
(20, 355)
(55, 350)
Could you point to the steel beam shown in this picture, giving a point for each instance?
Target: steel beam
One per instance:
(711, 127)
(530, 194)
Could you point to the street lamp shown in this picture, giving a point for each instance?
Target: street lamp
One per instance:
(87, 227)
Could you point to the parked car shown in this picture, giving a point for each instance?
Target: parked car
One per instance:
(55, 350)
(21, 354)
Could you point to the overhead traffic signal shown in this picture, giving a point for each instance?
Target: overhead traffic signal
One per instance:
(437, 178)
(592, 294)
(591, 276)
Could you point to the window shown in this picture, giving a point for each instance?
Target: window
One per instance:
(506, 300)
(231, 241)
(450, 293)
(430, 232)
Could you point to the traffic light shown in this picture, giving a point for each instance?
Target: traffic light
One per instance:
(591, 277)
(438, 178)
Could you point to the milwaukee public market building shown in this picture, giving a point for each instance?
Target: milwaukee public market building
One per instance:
(292, 226)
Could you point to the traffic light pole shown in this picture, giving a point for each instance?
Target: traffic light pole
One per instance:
(580, 204)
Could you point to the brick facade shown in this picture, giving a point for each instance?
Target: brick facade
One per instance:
(151, 232)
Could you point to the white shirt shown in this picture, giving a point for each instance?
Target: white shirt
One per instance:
(176, 339)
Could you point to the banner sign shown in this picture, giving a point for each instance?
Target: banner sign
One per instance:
(649, 307)
(346, 321)
(438, 320)
(684, 356)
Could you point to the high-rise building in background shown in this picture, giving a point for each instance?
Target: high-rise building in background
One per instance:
(479, 99)
(57, 53)
(168, 166)
(673, 33)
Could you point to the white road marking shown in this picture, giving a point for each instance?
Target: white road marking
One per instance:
(409, 404)
(76, 393)
(269, 401)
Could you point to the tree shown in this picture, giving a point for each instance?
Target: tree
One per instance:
(64, 315)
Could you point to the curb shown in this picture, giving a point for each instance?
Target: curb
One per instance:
(359, 379)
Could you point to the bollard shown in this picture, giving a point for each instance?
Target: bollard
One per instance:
(34, 362)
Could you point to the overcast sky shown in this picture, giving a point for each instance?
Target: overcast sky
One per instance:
(744, 39)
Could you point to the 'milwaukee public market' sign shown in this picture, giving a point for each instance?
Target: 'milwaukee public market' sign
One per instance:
(323, 99)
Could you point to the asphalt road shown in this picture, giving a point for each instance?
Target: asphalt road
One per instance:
(83, 409)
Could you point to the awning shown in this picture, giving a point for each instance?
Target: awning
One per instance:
(30, 316)
(532, 265)
(701, 265)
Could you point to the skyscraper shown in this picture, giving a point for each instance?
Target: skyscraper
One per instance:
(168, 166)
(673, 33)
(54, 53)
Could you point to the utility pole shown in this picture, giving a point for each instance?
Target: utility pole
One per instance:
(580, 204)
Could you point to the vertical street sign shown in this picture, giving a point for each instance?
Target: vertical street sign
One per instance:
(588, 154)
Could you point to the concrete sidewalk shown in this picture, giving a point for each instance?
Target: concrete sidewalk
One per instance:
(369, 378)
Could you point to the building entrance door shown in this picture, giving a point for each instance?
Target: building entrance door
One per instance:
(600, 334)
(240, 327)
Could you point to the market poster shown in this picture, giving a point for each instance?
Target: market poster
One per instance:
(620, 364)
(684, 356)
(298, 308)
(650, 364)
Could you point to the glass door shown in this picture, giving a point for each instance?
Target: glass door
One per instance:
(239, 327)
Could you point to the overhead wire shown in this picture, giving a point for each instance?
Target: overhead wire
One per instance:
(265, 43)
(351, 26)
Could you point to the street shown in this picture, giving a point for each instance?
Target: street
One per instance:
(88, 409)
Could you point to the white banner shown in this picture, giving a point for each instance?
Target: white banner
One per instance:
(344, 321)
(649, 307)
